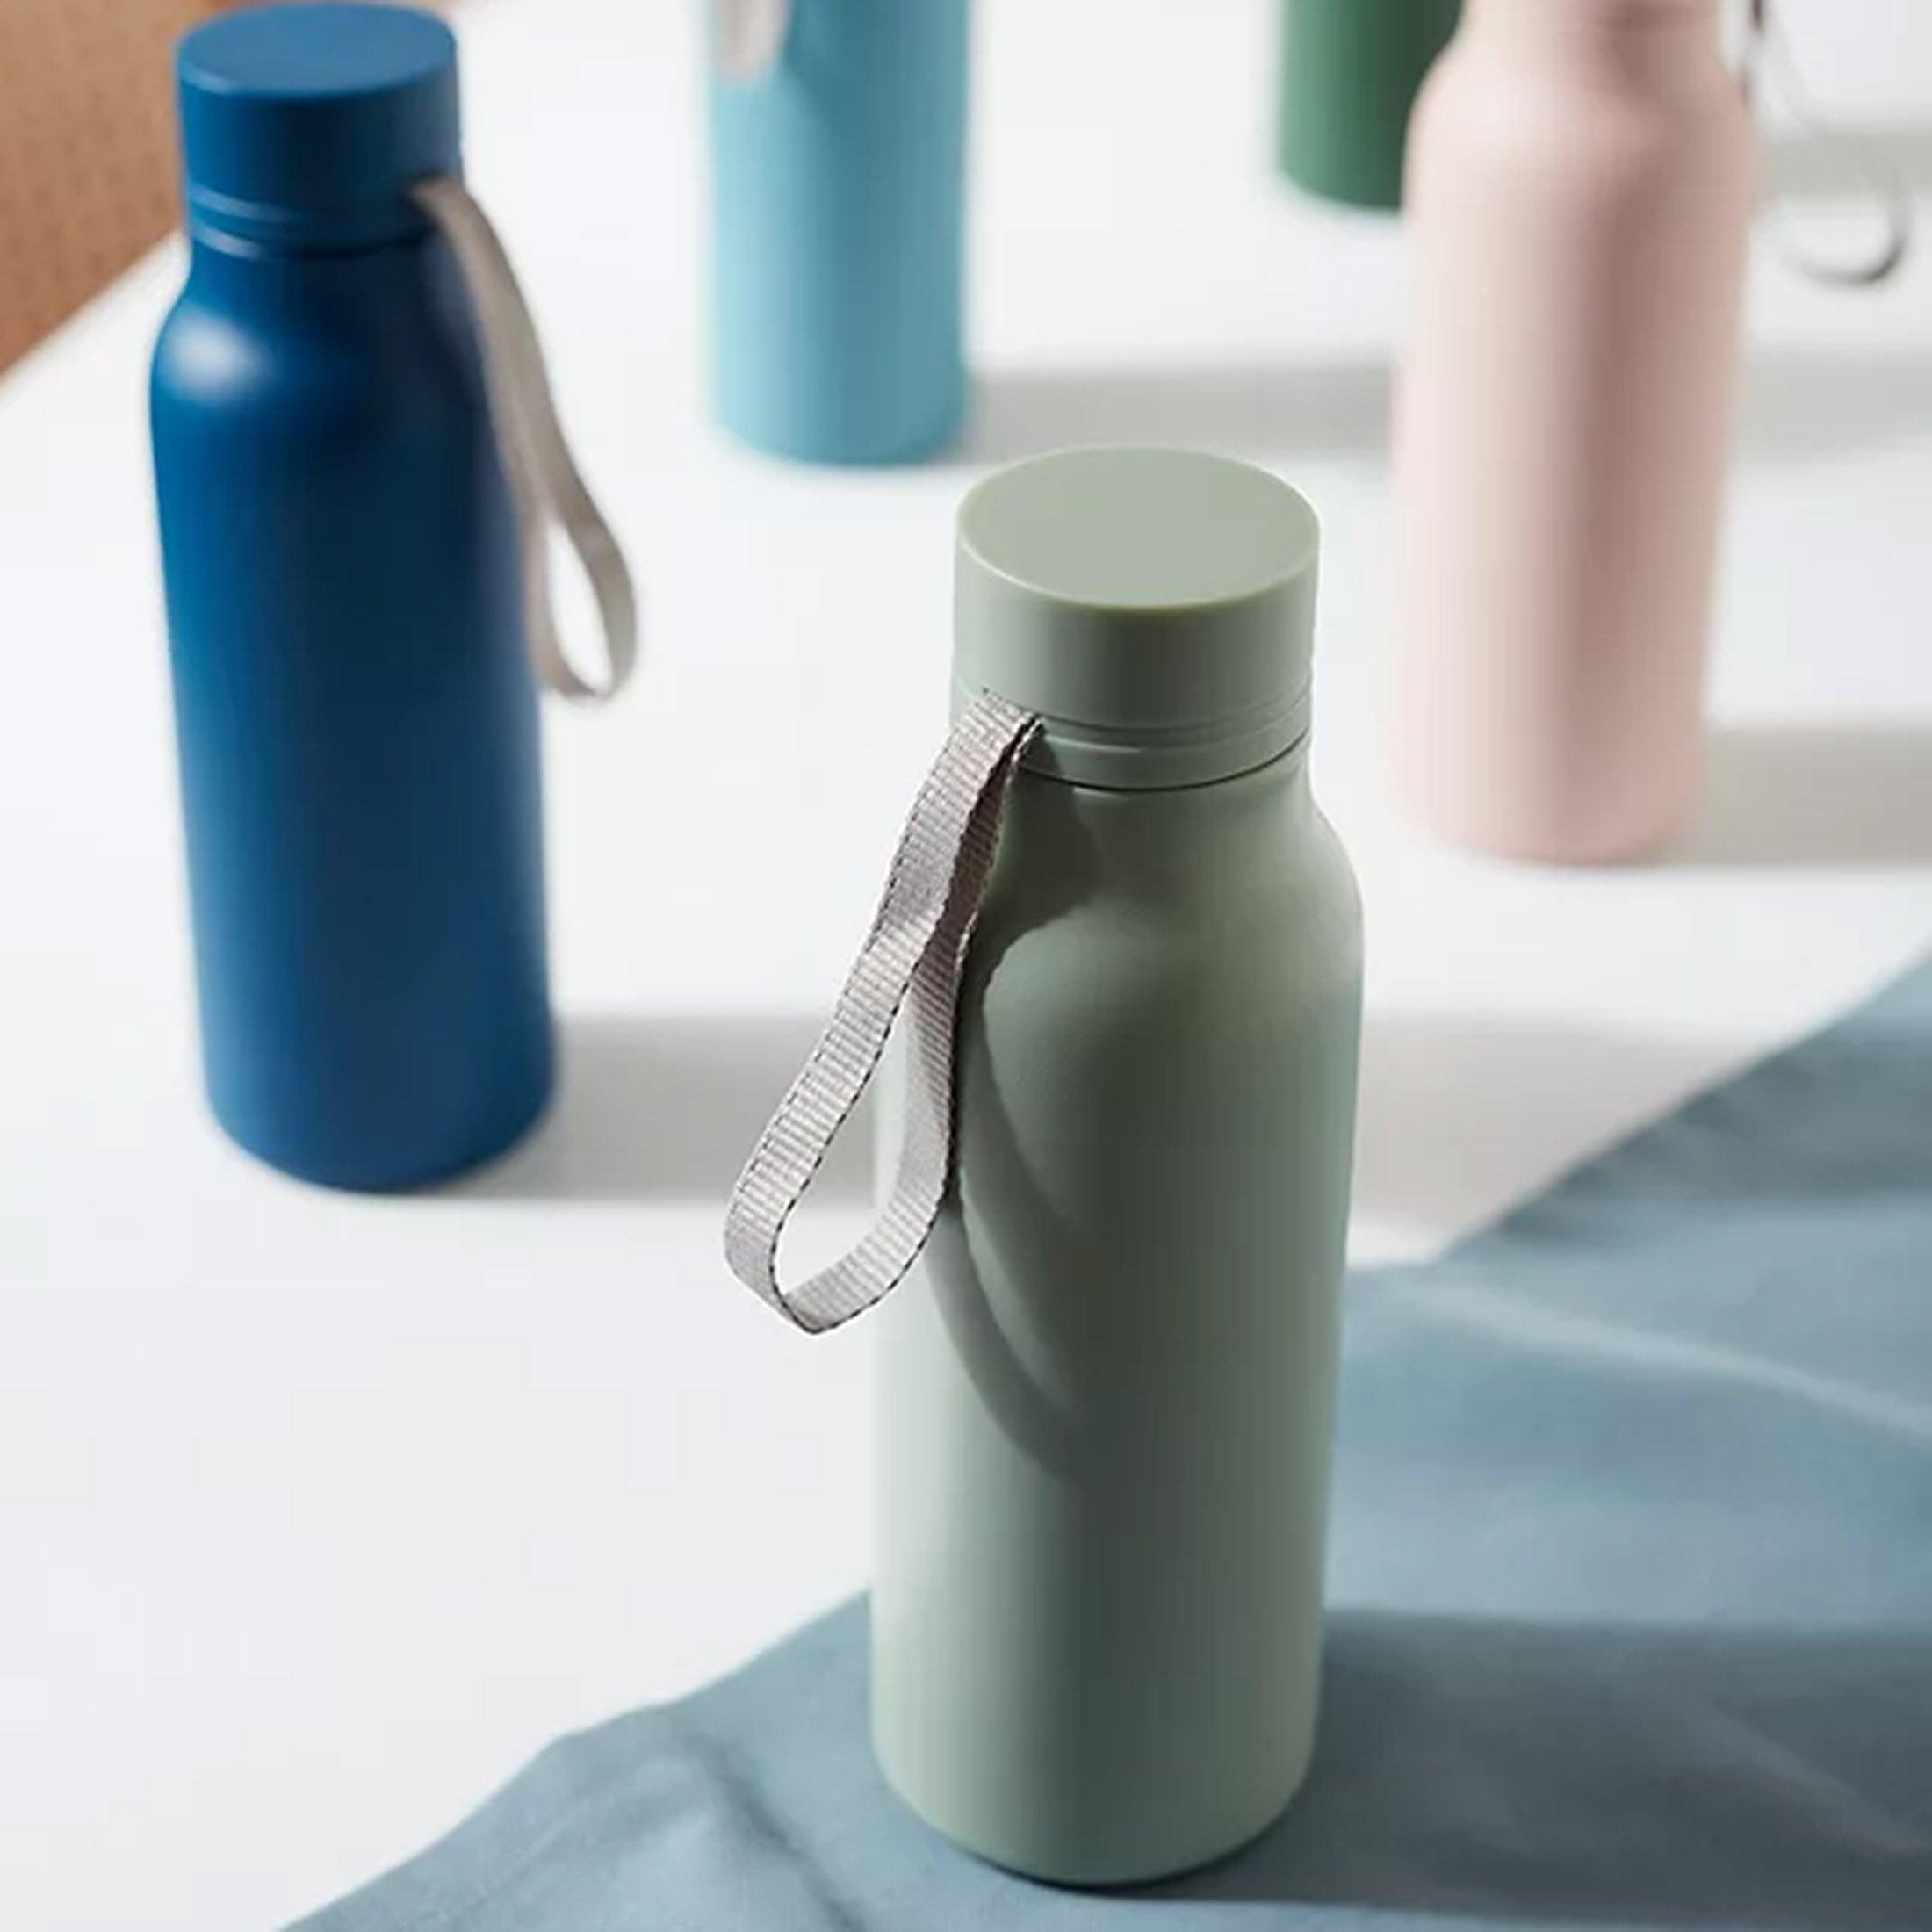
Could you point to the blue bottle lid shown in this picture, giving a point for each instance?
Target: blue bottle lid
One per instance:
(305, 124)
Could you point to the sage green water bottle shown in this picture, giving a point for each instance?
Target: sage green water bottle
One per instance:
(1108, 1384)
(1349, 70)
(1118, 1185)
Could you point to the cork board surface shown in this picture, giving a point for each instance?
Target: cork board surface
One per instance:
(87, 149)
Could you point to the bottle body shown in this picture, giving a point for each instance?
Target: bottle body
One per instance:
(1580, 185)
(355, 713)
(839, 178)
(1107, 1386)
(1349, 69)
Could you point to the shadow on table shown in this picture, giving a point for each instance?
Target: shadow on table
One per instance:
(1463, 1114)
(1796, 404)
(1242, 409)
(1800, 403)
(1848, 795)
(1608, 1773)
(1802, 166)
(653, 1107)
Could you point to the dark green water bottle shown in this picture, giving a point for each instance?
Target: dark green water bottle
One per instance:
(1349, 69)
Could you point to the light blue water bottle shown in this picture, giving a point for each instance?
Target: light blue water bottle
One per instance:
(839, 162)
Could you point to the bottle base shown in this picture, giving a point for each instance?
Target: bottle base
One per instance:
(1546, 825)
(796, 443)
(1143, 1860)
(390, 1172)
(1520, 846)
(1342, 191)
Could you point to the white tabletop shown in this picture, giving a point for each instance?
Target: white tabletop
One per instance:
(319, 1514)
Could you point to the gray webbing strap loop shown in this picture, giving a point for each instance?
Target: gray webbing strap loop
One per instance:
(544, 483)
(747, 37)
(1765, 49)
(914, 953)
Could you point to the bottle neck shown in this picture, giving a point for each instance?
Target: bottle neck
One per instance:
(321, 215)
(1177, 846)
(351, 288)
(1653, 39)
(289, 240)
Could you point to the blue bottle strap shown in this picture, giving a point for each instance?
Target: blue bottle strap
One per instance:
(914, 956)
(747, 37)
(544, 484)
(1765, 49)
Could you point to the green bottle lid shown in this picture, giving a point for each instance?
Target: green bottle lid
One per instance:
(1154, 607)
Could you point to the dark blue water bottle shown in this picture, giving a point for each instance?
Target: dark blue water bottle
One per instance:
(347, 566)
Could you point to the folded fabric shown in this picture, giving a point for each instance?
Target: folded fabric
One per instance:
(1631, 1570)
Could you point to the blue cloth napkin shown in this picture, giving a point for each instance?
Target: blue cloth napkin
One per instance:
(1632, 1577)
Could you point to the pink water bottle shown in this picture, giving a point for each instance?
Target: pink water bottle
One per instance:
(1580, 185)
